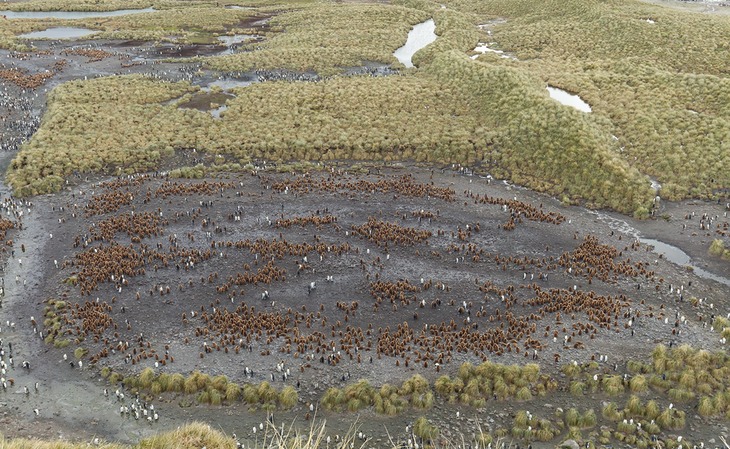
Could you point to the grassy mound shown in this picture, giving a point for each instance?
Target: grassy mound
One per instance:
(193, 435)
(323, 37)
(659, 102)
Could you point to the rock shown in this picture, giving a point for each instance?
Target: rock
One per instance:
(569, 444)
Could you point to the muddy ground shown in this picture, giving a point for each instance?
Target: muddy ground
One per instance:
(71, 402)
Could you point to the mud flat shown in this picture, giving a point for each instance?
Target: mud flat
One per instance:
(207, 240)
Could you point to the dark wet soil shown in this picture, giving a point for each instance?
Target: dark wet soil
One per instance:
(204, 101)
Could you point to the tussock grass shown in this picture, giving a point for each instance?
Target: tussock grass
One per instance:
(612, 385)
(610, 412)
(651, 114)
(189, 436)
(80, 353)
(327, 37)
(577, 388)
(146, 377)
(455, 111)
(681, 395)
(717, 248)
(77, 5)
(706, 406)
(638, 384)
(673, 96)
(422, 428)
(530, 428)
(389, 400)
(209, 390)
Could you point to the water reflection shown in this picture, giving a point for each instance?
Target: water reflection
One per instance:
(59, 33)
(567, 99)
(421, 35)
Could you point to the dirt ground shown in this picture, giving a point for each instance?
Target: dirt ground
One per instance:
(440, 241)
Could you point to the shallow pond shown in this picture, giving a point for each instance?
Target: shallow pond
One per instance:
(567, 99)
(421, 35)
(669, 252)
(482, 48)
(227, 84)
(679, 257)
(216, 113)
(237, 38)
(71, 14)
(59, 33)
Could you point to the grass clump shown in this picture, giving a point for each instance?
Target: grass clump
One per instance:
(80, 352)
(475, 385)
(638, 384)
(717, 248)
(288, 397)
(233, 392)
(145, 378)
(573, 157)
(417, 392)
(423, 429)
(612, 385)
(529, 428)
(327, 38)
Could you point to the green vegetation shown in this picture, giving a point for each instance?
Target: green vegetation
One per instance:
(77, 5)
(79, 353)
(327, 37)
(717, 248)
(388, 400)
(199, 24)
(442, 115)
(193, 435)
(209, 390)
(127, 105)
(659, 102)
(531, 428)
(424, 429)
(474, 385)
(664, 97)
(173, 21)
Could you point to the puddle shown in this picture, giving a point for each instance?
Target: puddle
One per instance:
(655, 185)
(669, 252)
(216, 113)
(679, 257)
(421, 35)
(71, 14)
(227, 84)
(261, 22)
(206, 101)
(238, 7)
(59, 33)
(231, 42)
(482, 48)
(237, 38)
(567, 99)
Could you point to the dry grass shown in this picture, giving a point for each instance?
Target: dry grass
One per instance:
(193, 436)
